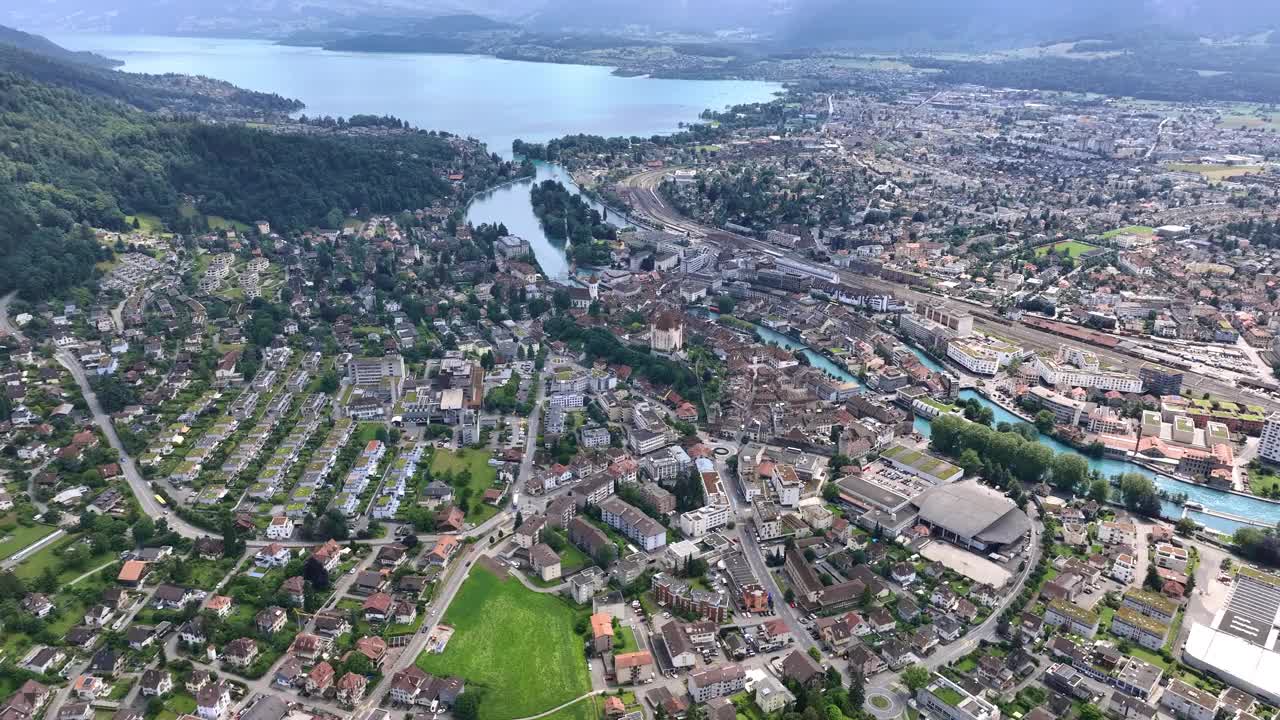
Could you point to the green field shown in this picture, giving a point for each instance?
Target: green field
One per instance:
(1072, 248)
(147, 223)
(588, 709)
(1130, 230)
(482, 478)
(516, 647)
(20, 538)
(1250, 121)
(51, 556)
(217, 222)
(1216, 172)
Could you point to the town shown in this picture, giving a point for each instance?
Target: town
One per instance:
(958, 405)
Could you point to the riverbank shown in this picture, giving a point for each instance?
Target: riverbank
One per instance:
(1148, 466)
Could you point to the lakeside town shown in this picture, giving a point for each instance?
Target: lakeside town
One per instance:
(995, 440)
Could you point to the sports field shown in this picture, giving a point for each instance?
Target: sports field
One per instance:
(1070, 248)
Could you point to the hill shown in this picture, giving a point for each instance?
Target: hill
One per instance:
(43, 46)
(72, 161)
(178, 94)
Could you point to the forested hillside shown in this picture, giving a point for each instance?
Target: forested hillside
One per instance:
(181, 94)
(68, 159)
(44, 46)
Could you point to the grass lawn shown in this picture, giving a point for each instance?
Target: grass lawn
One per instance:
(1148, 655)
(1250, 121)
(217, 222)
(180, 703)
(147, 223)
(1261, 482)
(588, 709)
(1130, 230)
(205, 574)
(50, 556)
(516, 646)
(1071, 248)
(482, 477)
(20, 538)
(572, 560)
(366, 432)
(627, 638)
(746, 707)
(1105, 613)
(120, 689)
(1216, 172)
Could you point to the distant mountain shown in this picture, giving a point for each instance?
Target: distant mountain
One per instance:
(984, 24)
(247, 18)
(43, 46)
(693, 16)
(790, 24)
(462, 23)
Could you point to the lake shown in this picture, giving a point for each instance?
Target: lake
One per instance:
(495, 101)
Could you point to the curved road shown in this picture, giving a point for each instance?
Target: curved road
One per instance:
(140, 487)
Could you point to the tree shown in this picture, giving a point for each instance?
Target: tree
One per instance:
(725, 304)
(970, 461)
(832, 679)
(1069, 471)
(467, 707)
(1099, 490)
(1152, 580)
(1139, 494)
(313, 572)
(605, 555)
(916, 677)
(333, 526)
(815, 654)
(1089, 711)
(144, 530)
(857, 690)
(1044, 421)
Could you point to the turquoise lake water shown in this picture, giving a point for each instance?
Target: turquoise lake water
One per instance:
(492, 100)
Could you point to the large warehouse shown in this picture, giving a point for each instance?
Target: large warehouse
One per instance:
(1241, 645)
(973, 515)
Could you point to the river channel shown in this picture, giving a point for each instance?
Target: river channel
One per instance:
(1212, 499)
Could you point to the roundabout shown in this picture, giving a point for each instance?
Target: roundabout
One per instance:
(883, 703)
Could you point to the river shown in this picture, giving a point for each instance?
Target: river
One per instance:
(497, 101)
(1212, 499)
(509, 204)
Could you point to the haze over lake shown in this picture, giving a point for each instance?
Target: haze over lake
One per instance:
(493, 100)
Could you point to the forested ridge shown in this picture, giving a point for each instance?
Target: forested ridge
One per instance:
(44, 46)
(69, 160)
(183, 94)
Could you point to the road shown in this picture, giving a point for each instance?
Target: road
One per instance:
(12, 561)
(455, 576)
(987, 630)
(140, 487)
(642, 189)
